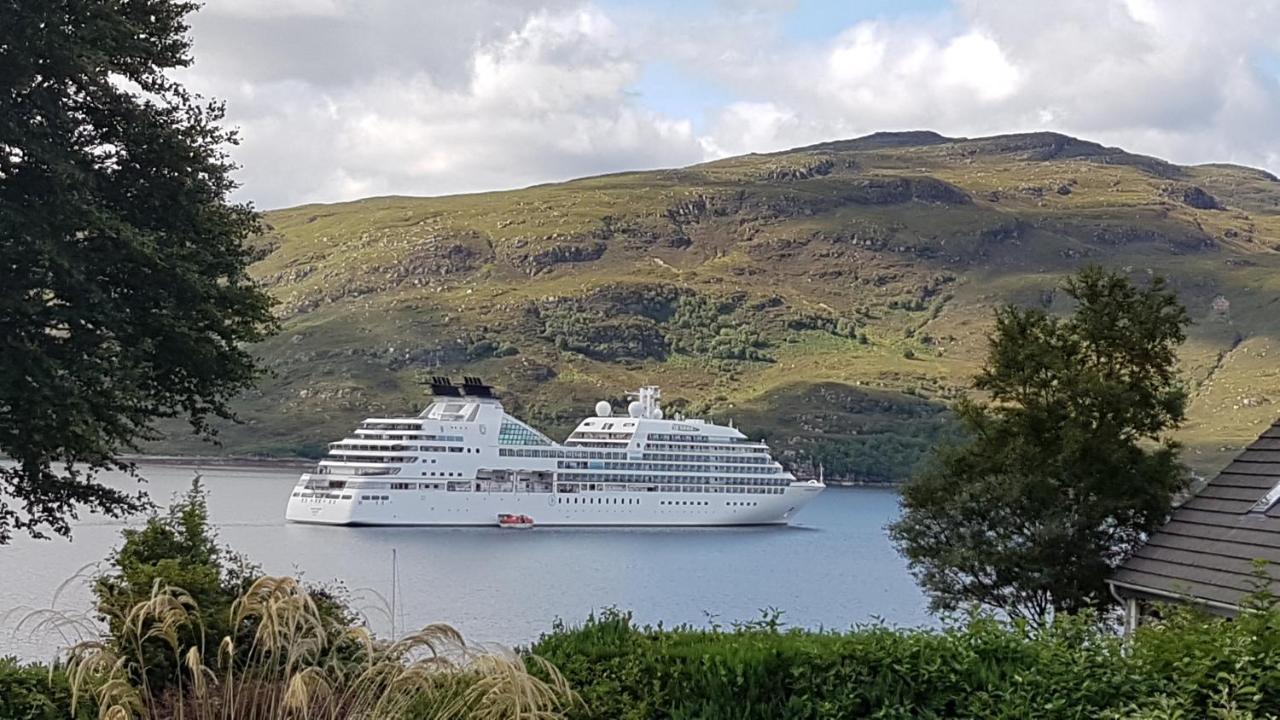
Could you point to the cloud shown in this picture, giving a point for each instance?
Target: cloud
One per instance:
(1171, 78)
(337, 99)
(545, 98)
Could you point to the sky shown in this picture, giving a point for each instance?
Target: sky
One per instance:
(341, 99)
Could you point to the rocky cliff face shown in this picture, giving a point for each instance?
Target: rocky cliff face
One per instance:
(833, 298)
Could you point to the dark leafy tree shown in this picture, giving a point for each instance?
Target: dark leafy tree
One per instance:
(1067, 466)
(124, 297)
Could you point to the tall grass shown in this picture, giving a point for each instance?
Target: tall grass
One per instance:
(292, 662)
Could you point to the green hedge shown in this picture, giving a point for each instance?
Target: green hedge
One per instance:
(32, 692)
(1186, 666)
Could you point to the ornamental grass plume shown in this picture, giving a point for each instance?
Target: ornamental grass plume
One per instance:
(291, 662)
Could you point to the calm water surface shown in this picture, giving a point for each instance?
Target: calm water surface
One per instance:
(833, 568)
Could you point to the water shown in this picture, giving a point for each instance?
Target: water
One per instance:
(833, 568)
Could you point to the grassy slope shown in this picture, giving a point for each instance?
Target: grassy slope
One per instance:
(781, 290)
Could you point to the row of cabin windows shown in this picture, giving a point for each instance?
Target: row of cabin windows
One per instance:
(384, 459)
(390, 426)
(586, 500)
(321, 496)
(624, 487)
(405, 436)
(362, 471)
(344, 445)
(587, 454)
(684, 438)
(706, 502)
(691, 482)
(415, 486)
(393, 486)
(689, 457)
(695, 447)
(669, 467)
(338, 448)
(589, 435)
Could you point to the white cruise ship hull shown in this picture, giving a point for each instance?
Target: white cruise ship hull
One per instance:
(444, 508)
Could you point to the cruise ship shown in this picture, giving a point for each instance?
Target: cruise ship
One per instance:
(465, 461)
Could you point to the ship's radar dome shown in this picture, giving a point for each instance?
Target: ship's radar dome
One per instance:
(603, 409)
(657, 413)
(635, 409)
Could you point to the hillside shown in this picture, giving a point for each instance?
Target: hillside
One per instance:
(833, 298)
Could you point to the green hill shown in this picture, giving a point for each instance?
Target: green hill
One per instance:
(833, 298)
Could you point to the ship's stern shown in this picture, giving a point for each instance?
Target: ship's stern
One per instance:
(308, 504)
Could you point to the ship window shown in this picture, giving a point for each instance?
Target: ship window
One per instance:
(514, 433)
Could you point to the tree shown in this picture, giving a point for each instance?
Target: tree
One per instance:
(124, 296)
(1066, 467)
(179, 549)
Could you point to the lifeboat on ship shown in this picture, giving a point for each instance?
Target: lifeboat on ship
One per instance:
(515, 522)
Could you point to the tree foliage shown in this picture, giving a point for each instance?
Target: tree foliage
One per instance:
(1067, 467)
(36, 692)
(124, 296)
(178, 549)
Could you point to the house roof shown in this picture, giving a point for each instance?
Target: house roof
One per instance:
(1208, 548)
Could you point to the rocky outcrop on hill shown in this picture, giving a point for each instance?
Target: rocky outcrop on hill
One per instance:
(1192, 196)
(543, 259)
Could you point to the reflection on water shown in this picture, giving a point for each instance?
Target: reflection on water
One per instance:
(834, 568)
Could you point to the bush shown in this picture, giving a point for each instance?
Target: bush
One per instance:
(177, 548)
(35, 692)
(1186, 666)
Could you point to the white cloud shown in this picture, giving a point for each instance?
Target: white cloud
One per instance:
(545, 99)
(339, 99)
(1173, 78)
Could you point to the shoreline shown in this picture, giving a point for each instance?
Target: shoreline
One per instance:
(219, 461)
(895, 485)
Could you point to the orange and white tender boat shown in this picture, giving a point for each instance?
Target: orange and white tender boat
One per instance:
(518, 522)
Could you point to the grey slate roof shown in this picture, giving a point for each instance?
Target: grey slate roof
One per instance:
(1207, 548)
